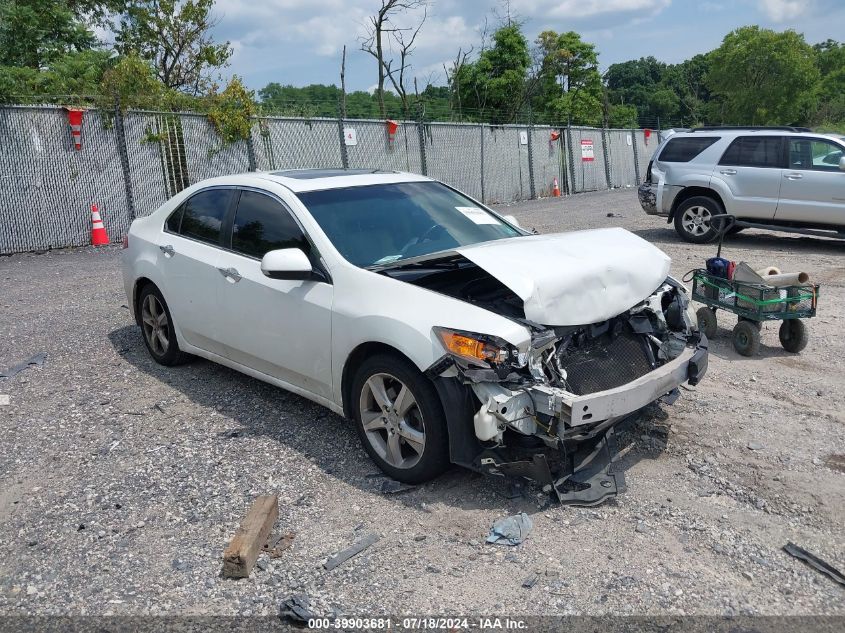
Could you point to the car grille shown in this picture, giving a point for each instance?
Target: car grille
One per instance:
(602, 365)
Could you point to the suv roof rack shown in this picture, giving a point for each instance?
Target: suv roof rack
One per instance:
(777, 128)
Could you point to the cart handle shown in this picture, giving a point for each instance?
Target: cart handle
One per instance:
(723, 227)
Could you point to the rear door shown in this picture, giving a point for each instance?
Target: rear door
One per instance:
(812, 190)
(751, 169)
(278, 327)
(188, 251)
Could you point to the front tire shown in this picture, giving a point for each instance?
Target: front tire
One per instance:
(157, 328)
(399, 419)
(746, 338)
(707, 322)
(692, 219)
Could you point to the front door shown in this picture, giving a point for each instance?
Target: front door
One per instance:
(812, 190)
(279, 327)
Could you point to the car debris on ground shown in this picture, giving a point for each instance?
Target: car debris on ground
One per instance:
(297, 609)
(343, 556)
(511, 530)
(34, 361)
(814, 561)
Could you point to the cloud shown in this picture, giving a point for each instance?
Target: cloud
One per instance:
(581, 9)
(784, 10)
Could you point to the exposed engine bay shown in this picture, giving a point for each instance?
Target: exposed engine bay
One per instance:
(559, 400)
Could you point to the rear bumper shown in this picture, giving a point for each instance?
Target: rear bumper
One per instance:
(647, 195)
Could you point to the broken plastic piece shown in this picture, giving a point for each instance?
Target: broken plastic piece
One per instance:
(297, 609)
(511, 530)
(814, 561)
(349, 552)
(35, 361)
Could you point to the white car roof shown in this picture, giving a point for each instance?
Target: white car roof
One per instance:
(301, 180)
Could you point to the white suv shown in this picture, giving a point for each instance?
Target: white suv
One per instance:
(779, 178)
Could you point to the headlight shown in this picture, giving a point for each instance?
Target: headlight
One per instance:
(480, 349)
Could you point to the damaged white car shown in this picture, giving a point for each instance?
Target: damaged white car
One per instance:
(444, 330)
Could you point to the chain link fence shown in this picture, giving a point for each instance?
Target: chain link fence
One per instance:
(131, 162)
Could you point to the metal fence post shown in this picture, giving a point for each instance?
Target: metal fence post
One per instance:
(531, 188)
(571, 158)
(636, 156)
(344, 155)
(606, 156)
(250, 150)
(421, 132)
(481, 129)
(120, 139)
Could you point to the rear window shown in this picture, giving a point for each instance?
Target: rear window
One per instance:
(683, 150)
(754, 151)
(203, 215)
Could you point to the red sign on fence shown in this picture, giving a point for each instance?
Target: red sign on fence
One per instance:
(587, 153)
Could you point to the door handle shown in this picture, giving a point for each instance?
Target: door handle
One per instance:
(728, 172)
(230, 274)
(168, 251)
(793, 176)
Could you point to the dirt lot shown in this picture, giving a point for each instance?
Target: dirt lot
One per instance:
(121, 481)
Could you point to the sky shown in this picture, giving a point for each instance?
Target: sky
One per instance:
(299, 42)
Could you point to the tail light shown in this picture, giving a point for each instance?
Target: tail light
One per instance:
(125, 242)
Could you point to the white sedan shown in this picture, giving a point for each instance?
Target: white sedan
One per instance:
(444, 330)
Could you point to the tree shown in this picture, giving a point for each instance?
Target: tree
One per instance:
(761, 77)
(375, 43)
(687, 80)
(174, 35)
(496, 81)
(830, 56)
(644, 83)
(571, 88)
(34, 32)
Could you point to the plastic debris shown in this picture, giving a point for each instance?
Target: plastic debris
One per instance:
(393, 487)
(345, 555)
(530, 581)
(297, 608)
(814, 561)
(35, 361)
(511, 530)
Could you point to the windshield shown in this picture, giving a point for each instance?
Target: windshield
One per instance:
(381, 224)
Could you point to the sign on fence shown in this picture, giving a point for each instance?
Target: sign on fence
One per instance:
(350, 136)
(587, 154)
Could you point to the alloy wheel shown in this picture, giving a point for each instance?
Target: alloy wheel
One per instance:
(392, 420)
(155, 324)
(696, 220)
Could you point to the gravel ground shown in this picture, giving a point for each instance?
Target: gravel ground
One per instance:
(122, 481)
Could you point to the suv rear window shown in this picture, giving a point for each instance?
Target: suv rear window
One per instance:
(683, 150)
(754, 151)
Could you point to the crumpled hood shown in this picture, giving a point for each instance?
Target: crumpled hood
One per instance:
(574, 278)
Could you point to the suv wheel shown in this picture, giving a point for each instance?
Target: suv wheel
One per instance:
(692, 219)
(400, 420)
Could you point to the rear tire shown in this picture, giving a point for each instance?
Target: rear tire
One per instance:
(793, 335)
(707, 322)
(405, 434)
(157, 328)
(692, 219)
(746, 338)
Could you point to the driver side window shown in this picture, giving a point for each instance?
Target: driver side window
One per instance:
(263, 224)
(814, 154)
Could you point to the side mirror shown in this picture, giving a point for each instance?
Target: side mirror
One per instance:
(842, 163)
(513, 221)
(287, 263)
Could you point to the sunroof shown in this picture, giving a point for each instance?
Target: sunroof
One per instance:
(308, 174)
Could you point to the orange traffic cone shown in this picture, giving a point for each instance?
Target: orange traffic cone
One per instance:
(556, 189)
(98, 229)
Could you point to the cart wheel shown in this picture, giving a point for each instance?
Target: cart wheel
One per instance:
(757, 324)
(746, 338)
(793, 335)
(707, 321)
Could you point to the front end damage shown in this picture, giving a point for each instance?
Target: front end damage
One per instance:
(548, 413)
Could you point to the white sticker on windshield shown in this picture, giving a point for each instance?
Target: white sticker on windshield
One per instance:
(478, 215)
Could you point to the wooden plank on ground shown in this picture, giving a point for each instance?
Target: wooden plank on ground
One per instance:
(243, 550)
